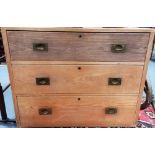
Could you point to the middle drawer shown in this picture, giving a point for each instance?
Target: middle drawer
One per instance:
(99, 79)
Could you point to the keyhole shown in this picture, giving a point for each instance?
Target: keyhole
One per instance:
(80, 36)
(79, 98)
(79, 68)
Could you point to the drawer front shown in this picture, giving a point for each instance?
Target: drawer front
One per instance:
(102, 79)
(70, 111)
(76, 46)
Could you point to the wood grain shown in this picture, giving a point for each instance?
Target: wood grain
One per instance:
(64, 46)
(92, 53)
(69, 79)
(69, 111)
(74, 63)
(81, 29)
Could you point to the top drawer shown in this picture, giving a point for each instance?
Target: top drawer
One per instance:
(77, 46)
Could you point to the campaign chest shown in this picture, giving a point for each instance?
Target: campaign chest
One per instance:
(77, 77)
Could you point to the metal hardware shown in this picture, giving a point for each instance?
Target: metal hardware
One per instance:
(110, 110)
(118, 48)
(114, 81)
(43, 81)
(45, 111)
(42, 47)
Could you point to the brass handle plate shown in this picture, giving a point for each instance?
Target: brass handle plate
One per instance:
(45, 111)
(118, 48)
(40, 47)
(111, 110)
(114, 81)
(43, 81)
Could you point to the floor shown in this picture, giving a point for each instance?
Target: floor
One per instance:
(4, 80)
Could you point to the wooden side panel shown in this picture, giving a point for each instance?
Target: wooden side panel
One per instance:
(69, 111)
(76, 46)
(77, 79)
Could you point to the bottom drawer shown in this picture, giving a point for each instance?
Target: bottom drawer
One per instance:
(77, 111)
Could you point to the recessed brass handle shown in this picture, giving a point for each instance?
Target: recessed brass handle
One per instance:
(114, 81)
(40, 47)
(111, 110)
(42, 81)
(118, 48)
(45, 111)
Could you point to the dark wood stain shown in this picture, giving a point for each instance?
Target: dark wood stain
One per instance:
(76, 46)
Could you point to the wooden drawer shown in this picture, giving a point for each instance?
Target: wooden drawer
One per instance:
(102, 79)
(82, 111)
(76, 46)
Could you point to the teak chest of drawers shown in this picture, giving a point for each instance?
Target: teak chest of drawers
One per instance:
(77, 77)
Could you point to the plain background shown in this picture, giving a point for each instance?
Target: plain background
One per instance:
(79, 13)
